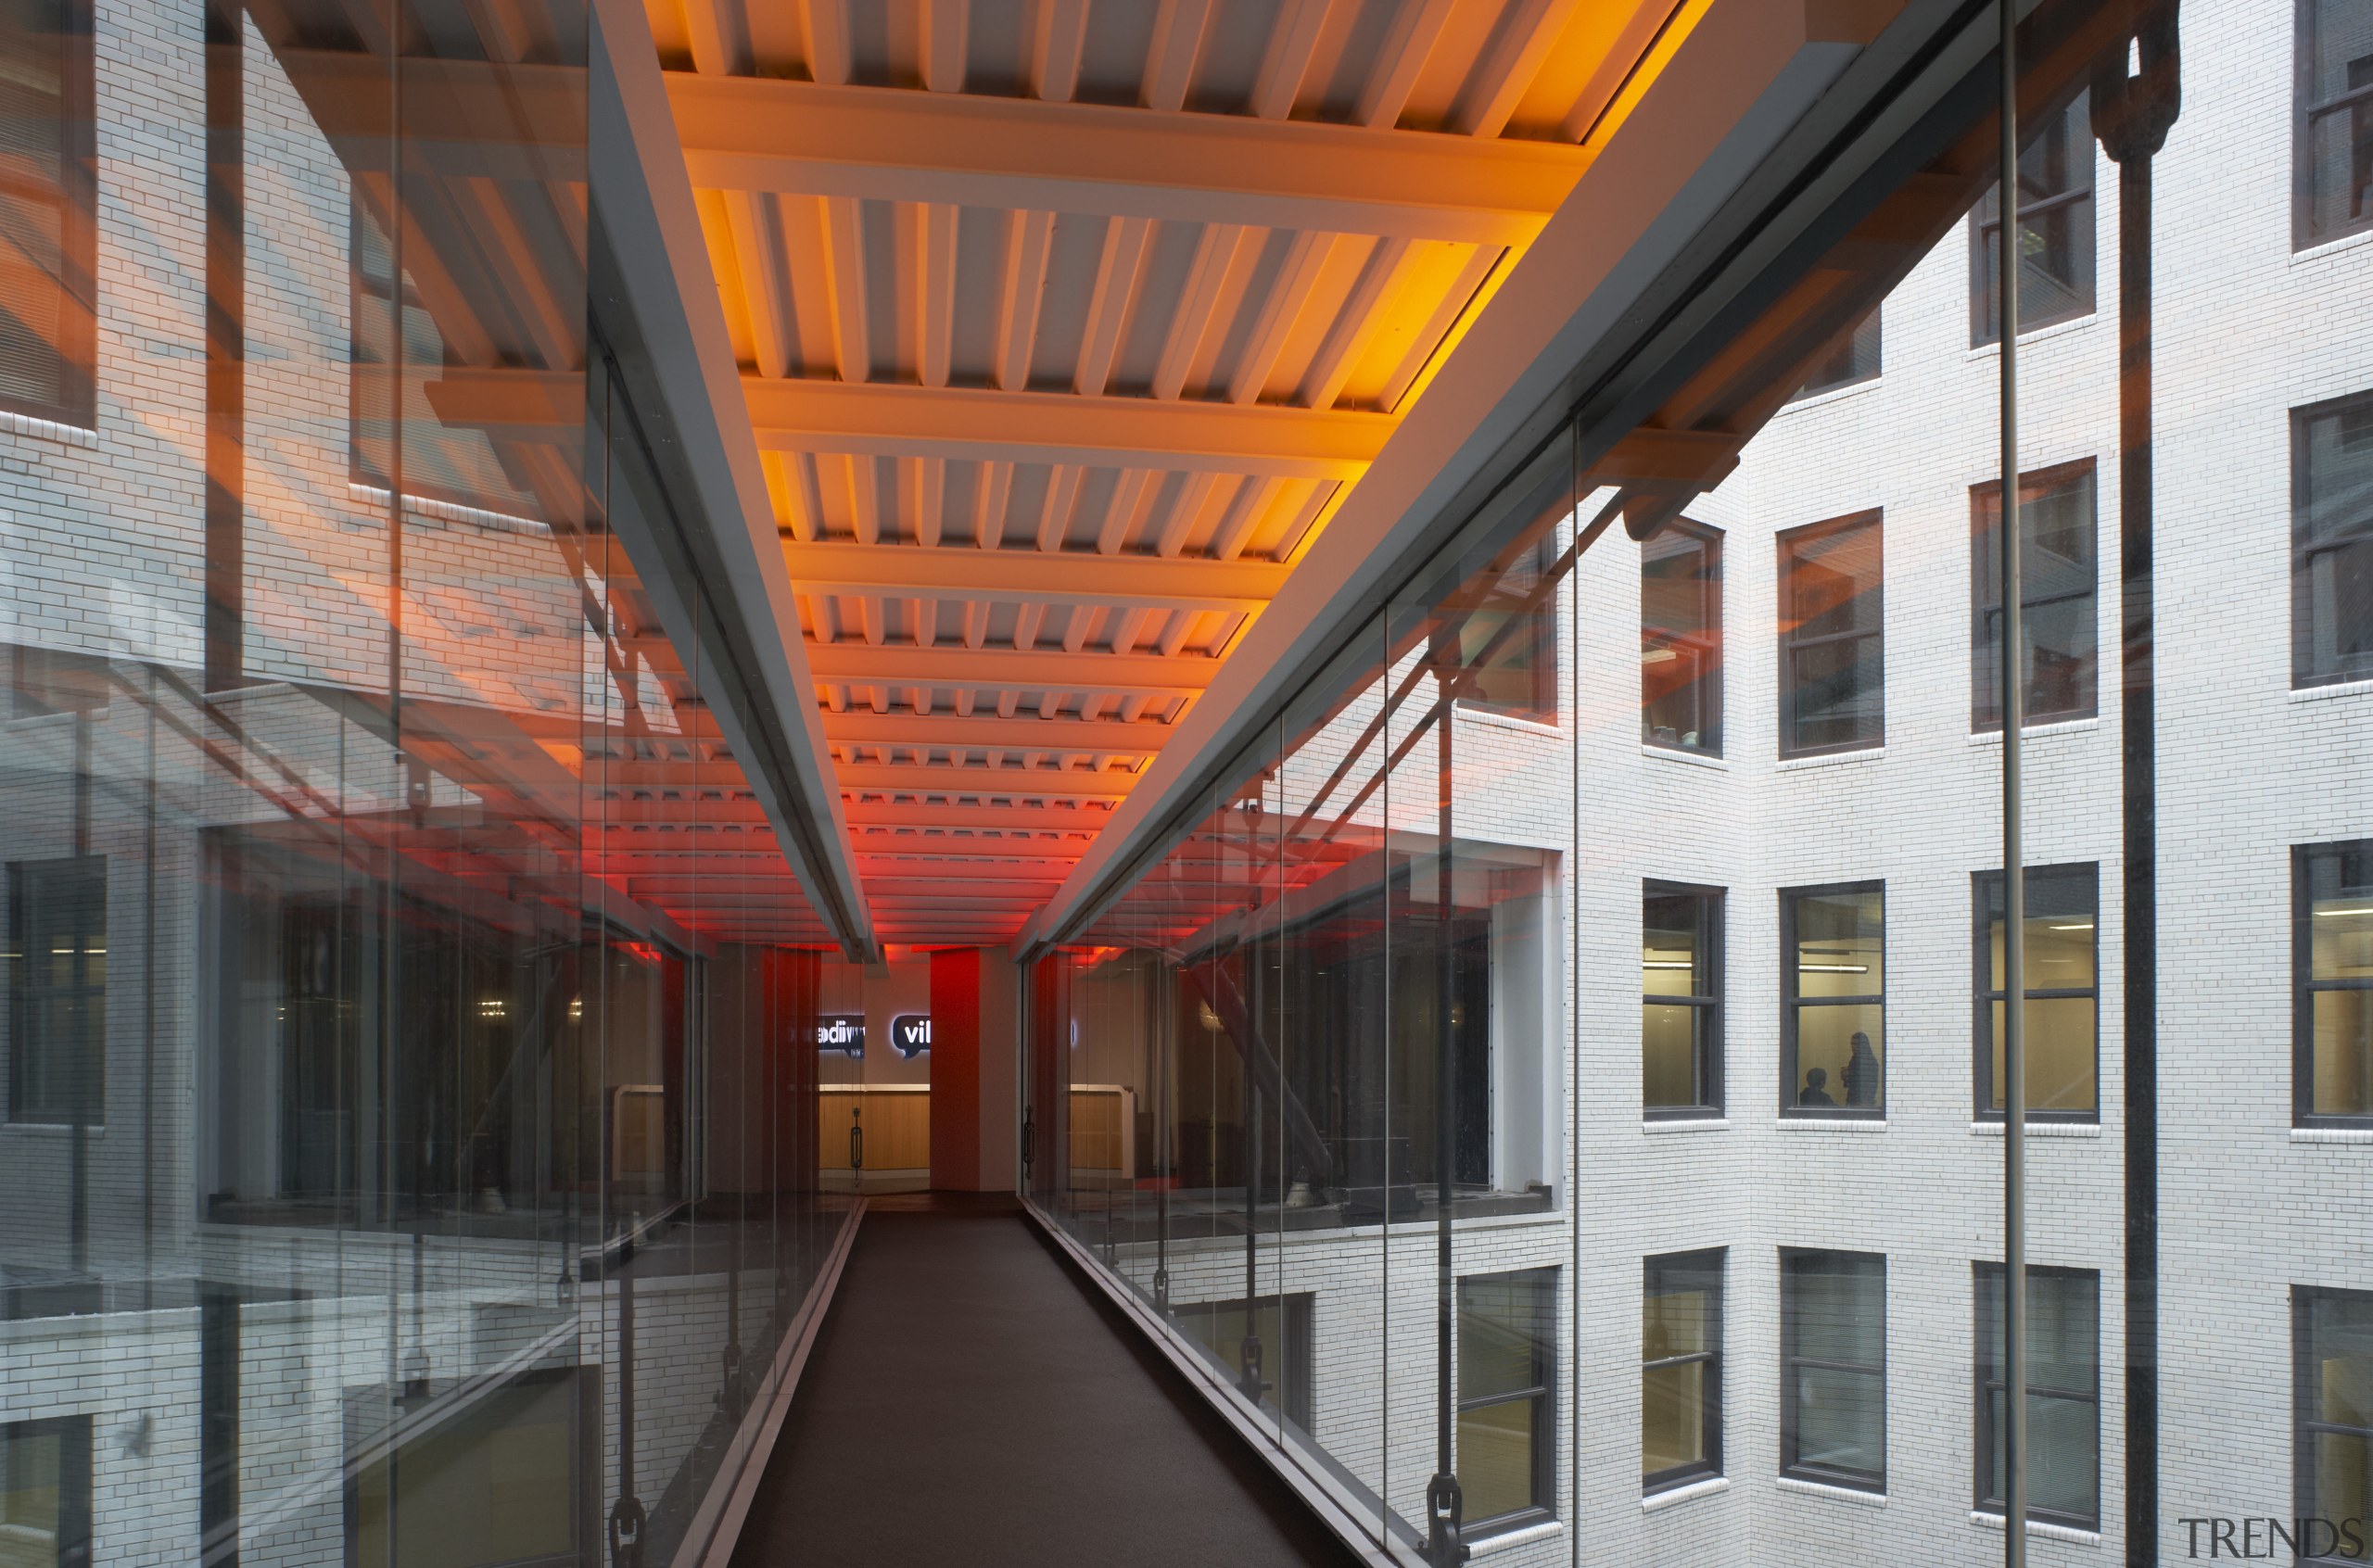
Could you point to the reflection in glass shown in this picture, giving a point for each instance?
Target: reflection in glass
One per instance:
(1854, 357)
(2334, 1004)
(1680, 1015)
(1833, 1017)
(1833, 1349)
(2332, 1336)
(2335, 191)
(2058, 568)
(1832, 692)
(1681, 638)
(2331, 568)
(1681, 1401)
(2055, 231)
(1507, 1362)
(2062, 992)
(2063, 1394)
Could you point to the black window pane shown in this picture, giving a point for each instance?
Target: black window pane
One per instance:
(58, 944)
(41, 199)
(2063, 1380)
(2334, 1404)
(1680, 1374)
(46, 1493)
(1680, 999)
(1507, 1356)
(1831, 611)
(1833, 1382)
(2062, 986)
(2333, 575)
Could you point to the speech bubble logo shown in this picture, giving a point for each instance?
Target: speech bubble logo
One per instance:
(910, 1032)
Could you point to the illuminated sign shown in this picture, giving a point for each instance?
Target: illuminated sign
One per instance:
(911, 1033)
(844, 1032)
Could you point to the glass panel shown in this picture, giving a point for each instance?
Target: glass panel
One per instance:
(1672, 1423)
(1841, 1420)
(2056, 229)
(1681, 629)
(2340, 125)
(1831, 596)
(2058, 564)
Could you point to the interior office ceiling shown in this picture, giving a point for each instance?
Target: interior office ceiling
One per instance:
(1066, 328)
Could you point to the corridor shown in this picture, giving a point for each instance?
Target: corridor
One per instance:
(971, 1402)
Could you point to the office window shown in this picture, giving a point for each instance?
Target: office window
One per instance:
(57, 977)
(2055, 232)
(1854, 357)
(1282, 1323)
(46, 1493)
(1832, 663)
(2059, 569)
(2333, 184)
(47, 199)
(2063, 994)
(2063, 1394)
(1832, 985)
(2332, 979)
(503, 1482)
(1681, 638)
(1680, 1369)
(1680, 1004)
(1507, 1371)
(2332, 542)
(2331, 1343)
(1508, 642)
(1833, 1367)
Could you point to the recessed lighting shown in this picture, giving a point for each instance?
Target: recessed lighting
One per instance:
(2079, 925)
(2354, 909)
(1835, 969)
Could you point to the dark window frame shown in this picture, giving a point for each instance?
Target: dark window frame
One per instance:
(25, 992)
(1790, 642)
(1708, 1067)
(2305, 113)
(77, 196)
(2305, 548)
(1985, 543)
(1542, 1393)
(1983, 331)
(1987, 1383)
(1791, 1002)
(1706, 645)
(2303, 1426)
(1982, 1064)
(1716, 1261)
(2303, 986)
(1790, 1464)
(75, 1473)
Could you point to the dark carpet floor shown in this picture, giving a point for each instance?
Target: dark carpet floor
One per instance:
(971, 1402)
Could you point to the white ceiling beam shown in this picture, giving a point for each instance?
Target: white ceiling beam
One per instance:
(1506, 70)
(892, 144)
(1042, 578)
(1117, 674)
(1170, 64)
(1288, 60)
(1415, 30)
(1055, 53)
(982, 425)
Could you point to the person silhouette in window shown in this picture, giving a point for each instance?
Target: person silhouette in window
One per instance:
(1815, 1091)
(1861, 1074)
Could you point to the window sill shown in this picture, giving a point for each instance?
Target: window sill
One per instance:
(1678, 754)
(1523, 1535)
(1831, 759)
(49, 430)
(2036, 1527)
(2039, 335)
(1827, 395)
(1656, 1502)
(1823, 1489)
(1509, 721)
(2331, 1134)
(1687, 1124)
(2040, 1128)
(2057, 727)
(1834, 1123)
(2332, 247)
(2330, 688)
